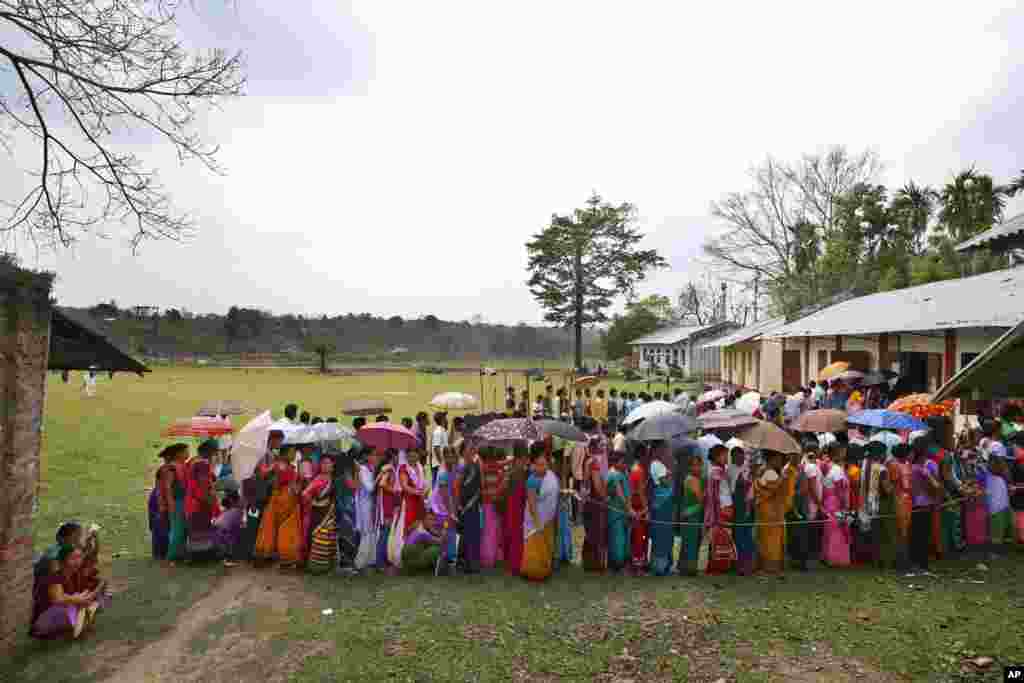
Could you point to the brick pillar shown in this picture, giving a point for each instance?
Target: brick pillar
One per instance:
(25, 310)
(949, 360)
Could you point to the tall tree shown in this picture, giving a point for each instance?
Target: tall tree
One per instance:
(774, 229)
(581, 262)
(971, 203)
(83, 72)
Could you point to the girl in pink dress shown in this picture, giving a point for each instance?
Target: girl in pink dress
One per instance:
(835, 500)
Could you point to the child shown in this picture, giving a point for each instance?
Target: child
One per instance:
(997, 494)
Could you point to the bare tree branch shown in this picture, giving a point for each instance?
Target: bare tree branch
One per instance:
(88, 71)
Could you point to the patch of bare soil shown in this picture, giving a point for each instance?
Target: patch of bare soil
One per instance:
(821, 665)
(194, 652)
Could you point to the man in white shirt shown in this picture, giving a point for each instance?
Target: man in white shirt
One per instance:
(438, 441)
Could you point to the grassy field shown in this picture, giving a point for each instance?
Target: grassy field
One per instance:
(201, 624)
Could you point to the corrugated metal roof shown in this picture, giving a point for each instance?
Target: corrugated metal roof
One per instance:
(671, 335)
(1012, 229)
(993, 374)
(747, 333)
(994, 299)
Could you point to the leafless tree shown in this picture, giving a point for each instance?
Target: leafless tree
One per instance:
(772, 230)
(85, 72)
(711, 300)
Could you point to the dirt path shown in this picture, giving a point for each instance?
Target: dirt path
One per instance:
(158, 661)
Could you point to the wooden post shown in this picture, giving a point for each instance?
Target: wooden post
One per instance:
(25, 308)
(949, 361)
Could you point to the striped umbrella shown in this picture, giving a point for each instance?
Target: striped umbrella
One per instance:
(199, 427)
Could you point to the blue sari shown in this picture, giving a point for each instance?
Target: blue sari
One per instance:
(618, 529)
(662, 532)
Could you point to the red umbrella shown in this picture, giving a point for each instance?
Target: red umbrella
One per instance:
(200, 427)
(385, 435)
(725, 418)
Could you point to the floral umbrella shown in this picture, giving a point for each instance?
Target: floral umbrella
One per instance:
(200, 427)
(509, 429)
(833, 370)
(725, 418)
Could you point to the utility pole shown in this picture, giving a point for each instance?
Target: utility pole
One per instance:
(725, 307)
(757, 283)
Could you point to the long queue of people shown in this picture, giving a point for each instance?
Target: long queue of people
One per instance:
(645, 507)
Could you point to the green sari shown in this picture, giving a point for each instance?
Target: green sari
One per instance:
(618, 532)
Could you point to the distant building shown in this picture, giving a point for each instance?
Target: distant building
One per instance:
(145, 312)
(680, 347)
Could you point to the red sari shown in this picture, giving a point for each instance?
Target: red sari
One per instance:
(512, 536)
(638, 533)
(411, 502)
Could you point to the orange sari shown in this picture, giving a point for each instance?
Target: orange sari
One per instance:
(280, 535)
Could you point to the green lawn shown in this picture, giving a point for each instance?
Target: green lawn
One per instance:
(98, 465)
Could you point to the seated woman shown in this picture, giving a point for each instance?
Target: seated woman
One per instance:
(227, 528)
(61, 606)
(69, 535)
(422, 546)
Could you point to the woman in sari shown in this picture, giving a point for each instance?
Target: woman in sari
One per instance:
(177, 538)
(387, 507)
(493, 475)
(975, 510)
(469, 485)
(953, 483)
(662, 508)
(539, 524)
(345, 486)
(563, 550)
(692, 514)
(718, 514)
(61, 606)
(595, 513)
(161, 502)
(366, 513)
(640, 507)
(891, 548)
(835, 503)
(201, 507)
(423, 546)
(280, 535)
(514, 508)
(442, 504)
(618, 496)
(899, 468)
(770, 498)
(318, 499)
(743, 505)
(413, 488)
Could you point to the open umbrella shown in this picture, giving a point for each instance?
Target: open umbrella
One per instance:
(652, 409)
(709, 396)
(850, 376)
(706, 443)
(725, 418)
(508, 429)
(365, 406)
(222, 407)
(199, 427)
(250, 446)
(385, 435)
(887, 439)
(663, 427)
(588, 381)
(301, 436)
(833, 370)
(877, 377)
(904, 404)
(749, 402)
(562, 430)
(821, 421)
(768, 436)
(454, 400)
(332, 431)
(886, 419)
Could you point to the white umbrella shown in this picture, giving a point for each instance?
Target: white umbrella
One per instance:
(707, 442)
(749, 402)
(332, 431)
(651, 409)
(302, 435)
(250, 446)
(454, 400)
(712, 395)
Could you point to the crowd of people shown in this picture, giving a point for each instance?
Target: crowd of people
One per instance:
(455, 505)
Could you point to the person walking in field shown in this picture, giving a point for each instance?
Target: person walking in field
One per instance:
(89, 383)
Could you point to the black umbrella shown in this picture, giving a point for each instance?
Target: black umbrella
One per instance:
(876, 377)
(563, 430)
(663, 427)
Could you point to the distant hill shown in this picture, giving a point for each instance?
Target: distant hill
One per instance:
(154, 333)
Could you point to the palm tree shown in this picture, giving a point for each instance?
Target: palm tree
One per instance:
(913, 205)
(971, 203)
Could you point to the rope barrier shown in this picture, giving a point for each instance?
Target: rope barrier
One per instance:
(850, 517)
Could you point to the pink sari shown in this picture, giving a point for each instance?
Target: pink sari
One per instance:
(835, 499)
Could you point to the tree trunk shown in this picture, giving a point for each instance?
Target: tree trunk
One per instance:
(578, 318)
(25, 343)
(323, 361)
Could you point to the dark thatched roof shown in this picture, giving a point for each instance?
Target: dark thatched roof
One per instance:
(74, 345)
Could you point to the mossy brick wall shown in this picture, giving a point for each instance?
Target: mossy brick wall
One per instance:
(25, 309)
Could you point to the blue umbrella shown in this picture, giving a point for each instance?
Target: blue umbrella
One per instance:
(886, 419)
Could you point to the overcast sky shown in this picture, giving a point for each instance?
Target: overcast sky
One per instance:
(393, 157)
